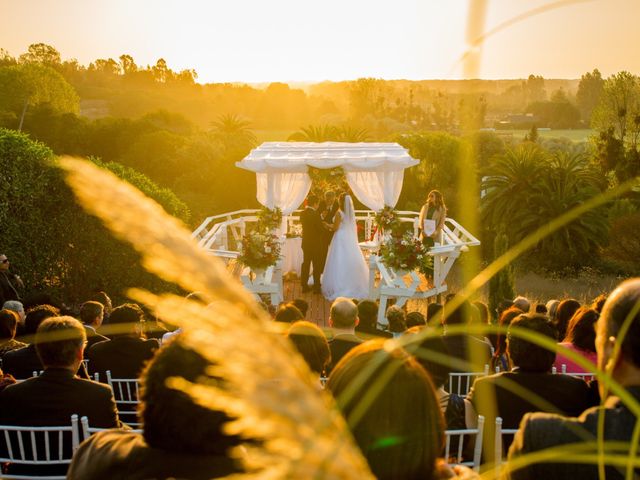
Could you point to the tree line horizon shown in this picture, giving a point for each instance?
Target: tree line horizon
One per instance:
(178, 141)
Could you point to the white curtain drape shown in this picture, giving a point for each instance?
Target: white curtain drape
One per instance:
(376, 189)
(282, 189)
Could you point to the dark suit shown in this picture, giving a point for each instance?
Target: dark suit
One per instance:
(327, 213)
(23, 362)
(115, 455)
(512, 394)
(8, 290)
(312, 240)
(539, 431)
(93, 337)
(340, 345)
(50, 400)
(124, 356)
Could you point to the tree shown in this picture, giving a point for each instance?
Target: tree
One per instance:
(128, 65)
(6, 60)
(31, 84)
(527, 188)
(161, 71)
(234, 133)
(534, 89)
(619, 107)
(41, 53)
(589, 92)
(502, 284)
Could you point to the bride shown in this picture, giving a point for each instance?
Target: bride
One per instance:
(345, 273)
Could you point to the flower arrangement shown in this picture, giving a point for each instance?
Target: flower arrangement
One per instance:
(259, 249)
(404, 252)
(269, 219)
(387, 219)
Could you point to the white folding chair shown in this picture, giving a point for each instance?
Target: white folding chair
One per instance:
(587, 377)
(87, 431)
(457, 457)
(499, 443)
(461, 382)
(39, 446)
(125, 392)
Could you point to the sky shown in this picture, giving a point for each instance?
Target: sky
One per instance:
(312, 40)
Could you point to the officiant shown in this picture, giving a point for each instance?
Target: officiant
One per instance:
(431, 221)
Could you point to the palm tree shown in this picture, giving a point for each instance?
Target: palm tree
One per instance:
(234, 133)
(315, 133)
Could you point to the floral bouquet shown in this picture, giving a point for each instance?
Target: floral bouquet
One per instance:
(406, 253)
(387, 219)
(259, 250)
(269, 219)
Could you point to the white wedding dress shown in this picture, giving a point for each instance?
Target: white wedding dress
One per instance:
(345, 273)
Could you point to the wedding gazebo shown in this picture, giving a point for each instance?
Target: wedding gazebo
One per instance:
(374, 173)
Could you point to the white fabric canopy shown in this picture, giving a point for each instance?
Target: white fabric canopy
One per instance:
(374, 171)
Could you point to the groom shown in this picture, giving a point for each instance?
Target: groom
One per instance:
(312, 242)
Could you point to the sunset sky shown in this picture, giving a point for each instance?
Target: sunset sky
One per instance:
(305, 40)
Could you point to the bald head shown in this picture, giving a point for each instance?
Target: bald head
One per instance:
(344, 313)
(621, 316)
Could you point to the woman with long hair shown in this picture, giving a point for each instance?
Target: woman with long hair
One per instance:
(580, 338)
(346, 273)
(391, 406)
(432, 216)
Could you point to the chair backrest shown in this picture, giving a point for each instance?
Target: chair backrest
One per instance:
(125, 392)
(499, 444)
(461, 382)
(87, 431)
(39, 446)
(457, 457)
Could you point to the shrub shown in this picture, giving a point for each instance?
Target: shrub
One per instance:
(55, 246)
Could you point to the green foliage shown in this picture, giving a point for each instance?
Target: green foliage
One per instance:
(619, 108)
(557, 114)
(56, 246)
(624, 242)
(501, 285)
(164, 196)
(32, 84)
(528, 187)
(589, 92)
(156, 154)
(234, 133)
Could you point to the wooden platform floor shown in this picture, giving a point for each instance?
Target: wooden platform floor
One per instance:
(319, 306)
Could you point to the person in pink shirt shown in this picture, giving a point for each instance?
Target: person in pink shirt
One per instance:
(580, 338)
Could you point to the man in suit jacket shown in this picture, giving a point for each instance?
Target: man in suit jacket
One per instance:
(619, 356)
(529, 386)
(126, 353)
(312, 241)
(51, 398)
(91, 315)
(328, 209)
(343, 318)
(23, 362)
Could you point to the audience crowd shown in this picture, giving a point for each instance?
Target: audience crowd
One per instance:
(57, 362)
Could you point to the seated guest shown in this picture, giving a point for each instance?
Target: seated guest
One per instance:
(126, 353)
(619, 356)
(368, 321)
(529, 386)
(8, 323)
(17, 307)
(343, 319)
(302, 305)
(431, 352)
(522, 303)
(598, 302)
(581, 338)
(23, 362)
(180, 439)
(288, 313)
(397, 322)
(312, 345)
(51, 398)
(564, 312)
(6, 380)
(470, 353)
(500, 358)
(105, 300)
(400, 432)
(415, 319)
(91, 315)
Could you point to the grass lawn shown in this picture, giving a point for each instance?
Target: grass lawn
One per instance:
(578, 135)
